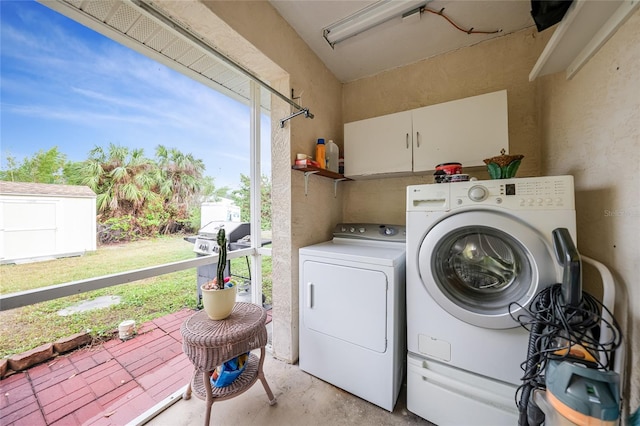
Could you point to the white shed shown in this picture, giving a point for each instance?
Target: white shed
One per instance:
(223, 210)
(43, 221)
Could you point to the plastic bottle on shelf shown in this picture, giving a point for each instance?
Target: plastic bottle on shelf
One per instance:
(321, 154)
(333, 154)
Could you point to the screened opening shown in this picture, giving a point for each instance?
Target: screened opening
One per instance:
(122, 96)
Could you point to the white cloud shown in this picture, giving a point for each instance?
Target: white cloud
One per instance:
(91, 90)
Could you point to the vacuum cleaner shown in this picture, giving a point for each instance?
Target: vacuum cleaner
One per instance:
(579, 395)
(567, 374)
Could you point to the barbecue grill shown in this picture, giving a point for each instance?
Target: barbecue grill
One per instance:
(205, 244)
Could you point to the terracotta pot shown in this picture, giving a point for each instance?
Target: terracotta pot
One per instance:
(218, 304)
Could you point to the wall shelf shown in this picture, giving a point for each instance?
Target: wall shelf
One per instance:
(586, 26)
(310, 170)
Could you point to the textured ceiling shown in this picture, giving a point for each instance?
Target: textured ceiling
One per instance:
(396, 42)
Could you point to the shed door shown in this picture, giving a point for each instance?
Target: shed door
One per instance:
(348, 303)
(29, 229)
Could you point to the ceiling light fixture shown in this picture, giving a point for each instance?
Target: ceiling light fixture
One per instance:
(369, 17)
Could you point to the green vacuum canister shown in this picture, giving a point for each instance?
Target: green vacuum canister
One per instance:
(583, 395)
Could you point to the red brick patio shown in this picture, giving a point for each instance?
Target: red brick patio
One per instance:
(109, 384)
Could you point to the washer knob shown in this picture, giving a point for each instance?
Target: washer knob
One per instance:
(478, 193)
(361, 230)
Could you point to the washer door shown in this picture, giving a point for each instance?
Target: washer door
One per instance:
(478, 266)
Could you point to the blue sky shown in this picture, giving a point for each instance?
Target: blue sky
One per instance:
(65, 85)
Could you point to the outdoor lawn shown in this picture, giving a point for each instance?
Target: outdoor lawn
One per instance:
(31, 326)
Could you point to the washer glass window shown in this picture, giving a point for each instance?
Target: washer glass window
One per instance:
(481, 269)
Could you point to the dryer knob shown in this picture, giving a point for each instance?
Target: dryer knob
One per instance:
(478, 193)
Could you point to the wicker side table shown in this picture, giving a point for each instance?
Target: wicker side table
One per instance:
(208, 343)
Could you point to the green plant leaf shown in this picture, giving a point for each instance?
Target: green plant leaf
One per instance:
(494, 171)
(511, 169)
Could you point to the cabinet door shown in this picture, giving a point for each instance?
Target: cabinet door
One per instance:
(378, 145)
(464, 131)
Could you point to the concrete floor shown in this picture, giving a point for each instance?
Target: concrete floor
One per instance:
(302, 400)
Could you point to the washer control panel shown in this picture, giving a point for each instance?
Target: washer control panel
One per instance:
(536, 193)
(370, 231)
(550, 192)
(478, 193)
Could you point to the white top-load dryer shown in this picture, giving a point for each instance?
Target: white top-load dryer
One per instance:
(477, 253)
(352, 318)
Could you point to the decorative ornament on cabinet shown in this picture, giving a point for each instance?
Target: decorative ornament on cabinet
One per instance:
(503, 166)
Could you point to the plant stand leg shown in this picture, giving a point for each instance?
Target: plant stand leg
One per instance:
(272, 398)
(209, 402)
(187, 392)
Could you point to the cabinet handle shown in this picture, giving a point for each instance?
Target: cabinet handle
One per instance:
(407, 138)
(418, 139)
(310, 295)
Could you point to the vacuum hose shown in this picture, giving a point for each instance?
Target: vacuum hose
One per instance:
(530, 414)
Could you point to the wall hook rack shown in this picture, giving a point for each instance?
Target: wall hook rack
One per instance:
(304, 111)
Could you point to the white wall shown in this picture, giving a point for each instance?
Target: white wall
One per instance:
(591, 129)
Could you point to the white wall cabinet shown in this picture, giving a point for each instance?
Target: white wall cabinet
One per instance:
(466, 131)
(379, 145)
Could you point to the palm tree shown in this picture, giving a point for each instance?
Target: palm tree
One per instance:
(180, 176)
(122, 179)
(157, 194)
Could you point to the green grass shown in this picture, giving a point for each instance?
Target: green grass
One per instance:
(31, 326)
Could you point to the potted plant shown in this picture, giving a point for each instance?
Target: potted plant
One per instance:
(219, 294)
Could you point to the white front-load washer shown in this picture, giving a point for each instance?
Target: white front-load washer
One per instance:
(352, 317)
(477, 252)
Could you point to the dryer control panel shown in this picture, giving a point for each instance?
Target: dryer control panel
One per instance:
(370, 231)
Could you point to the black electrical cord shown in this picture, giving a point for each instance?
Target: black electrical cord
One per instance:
(554, 328)
(531, 365)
